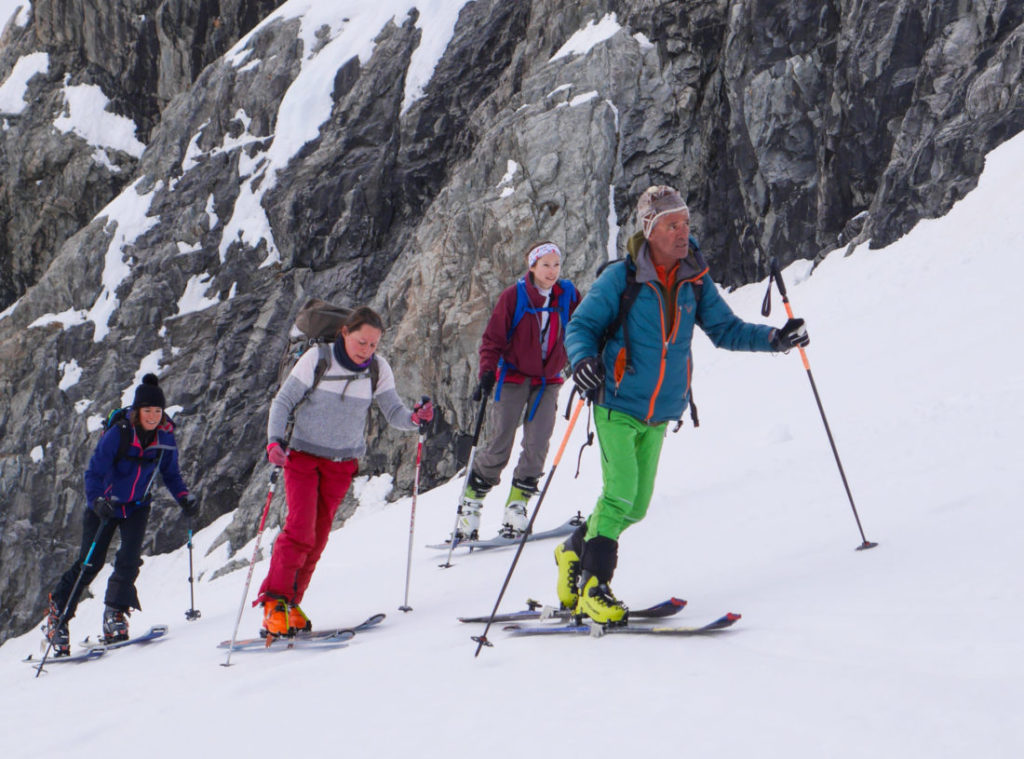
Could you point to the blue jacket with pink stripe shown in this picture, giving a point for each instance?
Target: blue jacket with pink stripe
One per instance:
(129, 479)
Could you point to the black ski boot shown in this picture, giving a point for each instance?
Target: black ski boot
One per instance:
(115, 624)
(57, 631)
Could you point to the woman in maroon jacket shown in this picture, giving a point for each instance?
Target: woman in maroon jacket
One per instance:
(522, 355)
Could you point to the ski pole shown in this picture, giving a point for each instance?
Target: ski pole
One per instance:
(766, 308)
(412, 513)
(252, 564)
(481, 639)
(469, 471)
(192, 612)
(74, 591)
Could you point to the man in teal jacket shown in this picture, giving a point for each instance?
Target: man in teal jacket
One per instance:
(640, 381)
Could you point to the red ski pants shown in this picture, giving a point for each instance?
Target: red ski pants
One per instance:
(314, 488)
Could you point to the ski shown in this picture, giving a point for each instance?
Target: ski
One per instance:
(82, 656)
(542, 612)
(719, 624)
(499, 542)
(155, 632)
(92, 650)
(366, 624)
(330, 639)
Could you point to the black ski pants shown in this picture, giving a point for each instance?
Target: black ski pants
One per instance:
(121, 592)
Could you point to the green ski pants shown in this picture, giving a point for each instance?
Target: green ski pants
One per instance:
(630, 451)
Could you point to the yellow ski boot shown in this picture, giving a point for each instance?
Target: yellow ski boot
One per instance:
(599, 603)
(568, 562)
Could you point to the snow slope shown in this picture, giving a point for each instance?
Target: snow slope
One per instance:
(912, 649)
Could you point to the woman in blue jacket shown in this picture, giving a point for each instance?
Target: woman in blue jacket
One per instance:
(118, 485)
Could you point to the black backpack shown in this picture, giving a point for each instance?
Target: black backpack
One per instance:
(119, 418)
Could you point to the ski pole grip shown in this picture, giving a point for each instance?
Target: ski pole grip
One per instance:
(424, 399)
(572, 395)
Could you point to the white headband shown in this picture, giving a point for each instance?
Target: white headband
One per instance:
(542, 250)
(649, 223)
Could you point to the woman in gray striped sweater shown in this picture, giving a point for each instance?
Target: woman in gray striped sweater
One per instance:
(321, 457)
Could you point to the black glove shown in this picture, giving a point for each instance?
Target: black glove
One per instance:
(106, 508)
(189, 505)
(588, 374)
(792, 334)
(487, 383)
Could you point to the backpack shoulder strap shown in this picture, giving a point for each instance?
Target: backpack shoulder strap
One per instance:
(565, 300)
(124, 442)
(698, 285)
(522, 305)
(698, 292)
(374, 374)
(119, 418)
(626, 300)
(323, 363)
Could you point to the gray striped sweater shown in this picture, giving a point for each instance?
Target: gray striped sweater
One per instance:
(331, 422)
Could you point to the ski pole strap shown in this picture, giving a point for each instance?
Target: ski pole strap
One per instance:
(774, 275)
(777, 274)
(590, 441)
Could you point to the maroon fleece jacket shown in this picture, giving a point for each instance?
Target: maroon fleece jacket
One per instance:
(522, 350)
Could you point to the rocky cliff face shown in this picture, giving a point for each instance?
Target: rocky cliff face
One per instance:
(57, 177)
(237, 179)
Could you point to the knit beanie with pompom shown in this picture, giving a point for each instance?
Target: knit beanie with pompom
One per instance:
(149, 393)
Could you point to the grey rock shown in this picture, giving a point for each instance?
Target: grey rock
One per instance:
(141, 54)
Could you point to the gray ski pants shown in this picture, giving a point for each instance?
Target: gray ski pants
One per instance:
(504, 419)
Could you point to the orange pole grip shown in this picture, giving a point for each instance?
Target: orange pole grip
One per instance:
(803, 355)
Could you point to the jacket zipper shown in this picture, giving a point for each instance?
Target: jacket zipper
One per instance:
(666, 340)
(664, 354)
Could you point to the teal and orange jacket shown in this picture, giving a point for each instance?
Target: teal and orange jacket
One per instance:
(654, 384)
